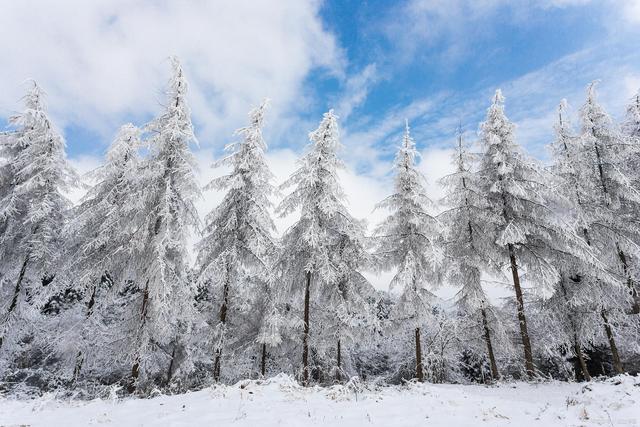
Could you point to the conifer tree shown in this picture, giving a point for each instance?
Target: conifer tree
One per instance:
(323, 251)
(98, 245)
(32, 210)
(170, 189)
(467, 258)
(407, 241)
(526, 230)
(631, 124)
(237, 251)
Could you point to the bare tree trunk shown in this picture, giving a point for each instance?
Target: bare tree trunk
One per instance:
(223, 321)
(16, 293)
(339, 362)
(172, 363)
(263, 361)
(615, 357)
(419, 370)
(80, 355)
(487, 338)
(135, 369)
(577, 348)
(522, 320)
(635, 298)
(305, 336)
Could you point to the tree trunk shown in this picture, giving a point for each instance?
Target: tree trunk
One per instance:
(615, 357)
(305, 336)
(263, 361)
(80, 355)
(339, 362)
(522, 320)
(223, 321)
(577, 348)
(487, 338)
(419, 371)
(635, 298)
(135, 369)
(16, 292)
(171, 364)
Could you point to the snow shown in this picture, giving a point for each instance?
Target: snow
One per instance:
(280, 401)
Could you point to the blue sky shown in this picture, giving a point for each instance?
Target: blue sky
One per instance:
(376, 62)
(436, 63)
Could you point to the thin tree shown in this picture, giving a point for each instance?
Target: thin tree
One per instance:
(32, 210)
(238, 248)
(170, 189)
(612, 191)
(325, 247)
(98, 248)
(526, 229)
(407, 241)
(467, 258)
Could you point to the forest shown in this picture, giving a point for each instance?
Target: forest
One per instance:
(105, 293)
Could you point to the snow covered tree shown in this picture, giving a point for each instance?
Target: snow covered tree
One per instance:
(160, 240)
(525, 228)
(326, 247)
(407, 241)
(467, 258)
(613, 193)
(34, 175)
(98, 250)
(631, 124)
(236, 254)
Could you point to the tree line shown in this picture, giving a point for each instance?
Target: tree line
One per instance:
(102, 293)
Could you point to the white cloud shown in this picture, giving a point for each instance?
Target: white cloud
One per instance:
(103, 60)
(356, 90)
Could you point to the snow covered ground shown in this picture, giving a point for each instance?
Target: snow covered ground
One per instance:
(281, 402)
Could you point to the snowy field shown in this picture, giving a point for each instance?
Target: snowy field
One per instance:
(281, 402)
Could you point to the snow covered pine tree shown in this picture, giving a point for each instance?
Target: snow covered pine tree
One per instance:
(325, 248)
(236, 254)
(32, 213)
(98, 251)
(526, 230)
(407, 240)
(465, 243)
(169, 191)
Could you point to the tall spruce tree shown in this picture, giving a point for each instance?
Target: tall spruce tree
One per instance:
(170, 189)
(527, 230)
(604, 152)
(98, 250)
(407, 240)
(467, 258)
(35, 175)
(323, 251)
(238, 249)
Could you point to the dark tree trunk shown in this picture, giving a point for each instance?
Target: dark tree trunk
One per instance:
(487, 338)
(583, 364)
(223, 321)
(263, 361)
(135, 369)
(635, 298)
(339, 362)
(16, 292)
(577, 347)
(522, 320)
(305, 336)
(172, 363)
(615, 357)
(419, 370)
(80, 355)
